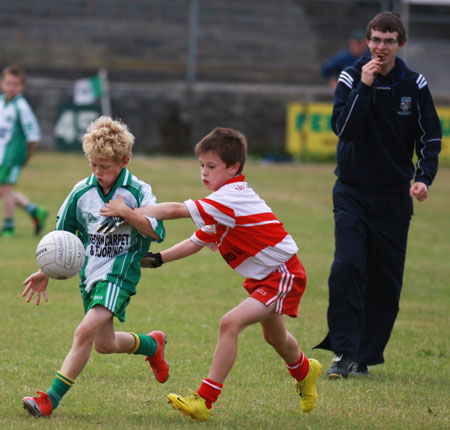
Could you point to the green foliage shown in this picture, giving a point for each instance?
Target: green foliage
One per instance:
(187, 298)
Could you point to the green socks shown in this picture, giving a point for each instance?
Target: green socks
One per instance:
(31, 209)
(59, 388)
(8, 224)
(145, 345)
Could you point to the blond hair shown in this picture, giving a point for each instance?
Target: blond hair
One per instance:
(108, 138)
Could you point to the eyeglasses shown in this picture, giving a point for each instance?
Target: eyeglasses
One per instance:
(388, 42)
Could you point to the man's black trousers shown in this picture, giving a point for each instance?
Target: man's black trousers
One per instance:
(365, 282)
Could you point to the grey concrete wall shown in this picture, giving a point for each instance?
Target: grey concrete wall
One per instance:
(171, 117)
(238, 40)
(254, 56)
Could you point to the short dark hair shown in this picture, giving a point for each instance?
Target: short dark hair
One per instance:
(229, 144)
(387, 22)
(15, 71)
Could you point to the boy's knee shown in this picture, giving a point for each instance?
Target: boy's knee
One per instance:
(83, 334)
(229, 324)
(269, 339)
(274, 340)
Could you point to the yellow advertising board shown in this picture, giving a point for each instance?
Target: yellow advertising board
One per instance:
(309, 133)
(444, 116)
(309, 130)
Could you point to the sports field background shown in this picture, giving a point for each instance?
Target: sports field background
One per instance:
(187, 298)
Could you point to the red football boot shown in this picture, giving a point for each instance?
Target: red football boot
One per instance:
(158, 362)
(38, 406)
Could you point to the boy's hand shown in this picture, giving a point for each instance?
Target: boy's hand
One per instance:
(151, 261)
(36, 283)
(115, 208)
(114, 211)
(111, 224)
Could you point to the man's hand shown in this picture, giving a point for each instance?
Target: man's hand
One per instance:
(370, 70)
(111, 224)
(419, 190)
(151, 261)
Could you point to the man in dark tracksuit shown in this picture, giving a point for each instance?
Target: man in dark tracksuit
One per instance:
(382, 112)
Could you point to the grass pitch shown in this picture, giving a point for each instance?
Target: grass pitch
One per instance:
(187, 298)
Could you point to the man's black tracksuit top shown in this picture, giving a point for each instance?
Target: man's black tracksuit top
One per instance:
(380, 126)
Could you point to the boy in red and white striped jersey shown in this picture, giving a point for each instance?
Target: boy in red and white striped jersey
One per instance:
(236, 221)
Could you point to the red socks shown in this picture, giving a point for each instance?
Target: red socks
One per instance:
(210, 391)
(299, 369)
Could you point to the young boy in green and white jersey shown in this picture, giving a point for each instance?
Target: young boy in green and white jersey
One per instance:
(111, 270)
(19, 135)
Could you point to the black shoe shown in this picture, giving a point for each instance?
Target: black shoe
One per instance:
(357, 369)
(339, 369)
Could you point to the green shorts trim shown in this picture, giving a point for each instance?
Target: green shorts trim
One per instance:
(110, 296)
(9, 174)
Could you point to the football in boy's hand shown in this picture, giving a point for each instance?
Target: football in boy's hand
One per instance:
(60, 254)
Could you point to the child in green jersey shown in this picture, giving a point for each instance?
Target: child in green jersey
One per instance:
(19, 134)
(111, 270)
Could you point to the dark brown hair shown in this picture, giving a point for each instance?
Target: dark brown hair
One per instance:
(387, 22)
(230, 145)
(15, 71)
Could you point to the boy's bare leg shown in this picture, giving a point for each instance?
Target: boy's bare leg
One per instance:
(20, 200)
(249, 312)
(95, 328)
(282, 341)
(9, 200)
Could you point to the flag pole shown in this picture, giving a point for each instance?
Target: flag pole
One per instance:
(105, 99)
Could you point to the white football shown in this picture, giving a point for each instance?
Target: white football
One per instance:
(60, 254)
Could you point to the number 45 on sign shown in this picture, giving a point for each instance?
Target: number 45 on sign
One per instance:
(72, 123)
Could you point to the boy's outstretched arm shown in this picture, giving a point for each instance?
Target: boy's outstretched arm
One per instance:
(136, 217)
(180, 250)
(160, 211)
(166, 210)
(176, 252)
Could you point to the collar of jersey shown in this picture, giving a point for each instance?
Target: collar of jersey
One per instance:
(122, 180)
(3, 98)
(239, 178)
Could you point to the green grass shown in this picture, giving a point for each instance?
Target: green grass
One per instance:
(187, 298)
